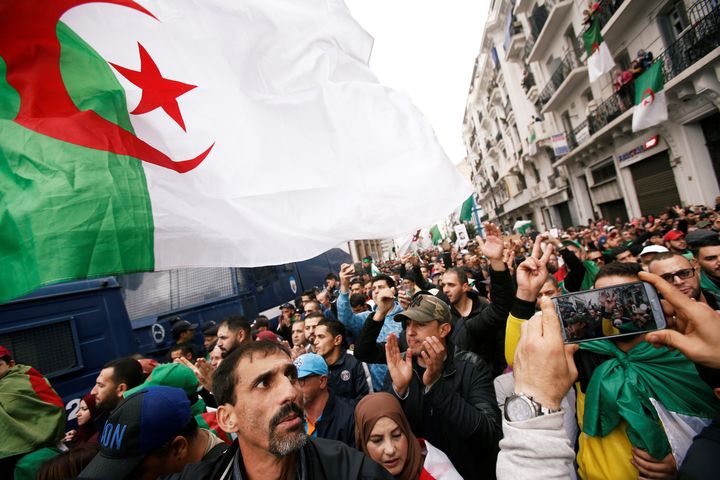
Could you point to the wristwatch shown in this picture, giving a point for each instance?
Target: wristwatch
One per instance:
(520, 407)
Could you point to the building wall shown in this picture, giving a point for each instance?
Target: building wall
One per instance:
(564, 189)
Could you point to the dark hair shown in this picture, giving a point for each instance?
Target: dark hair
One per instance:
(390, 281)
(335, 328)
(6, 358)
(617, 269)
(553, 280)
(226, 375)
(331, 276)
(664, 256)
(617, 251)
(261, 321)
(706, 242)
(357, 299)
(356, 280)
(70, 463)
(315, 315)
(184, 349)
(310, 292)
(460, 272)
(126, 370)
(235, 323)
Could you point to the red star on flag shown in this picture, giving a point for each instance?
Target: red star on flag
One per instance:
(157, 91)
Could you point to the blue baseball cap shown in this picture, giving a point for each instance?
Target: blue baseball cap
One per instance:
(311, 364)
(145, 420)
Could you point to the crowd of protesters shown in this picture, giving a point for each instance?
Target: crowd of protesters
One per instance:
(445, 363)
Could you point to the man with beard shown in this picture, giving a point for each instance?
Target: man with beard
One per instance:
(261, 401)
(707, 251)
(684, 275)
(232, 332)
(117, 377)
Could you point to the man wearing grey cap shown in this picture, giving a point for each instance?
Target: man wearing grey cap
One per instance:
(447, 394)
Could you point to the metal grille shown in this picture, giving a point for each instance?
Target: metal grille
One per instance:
(159, 293)
(48, 348)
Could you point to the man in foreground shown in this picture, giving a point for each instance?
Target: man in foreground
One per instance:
(261, 400)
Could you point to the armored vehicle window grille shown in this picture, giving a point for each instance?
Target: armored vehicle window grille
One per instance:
(160, 293)
(49, 348)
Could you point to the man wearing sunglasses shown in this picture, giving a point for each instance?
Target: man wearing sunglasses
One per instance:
(684, 275)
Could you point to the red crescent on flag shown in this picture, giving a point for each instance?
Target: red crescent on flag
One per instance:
(647, 94)
(594, 47)
(31, 51)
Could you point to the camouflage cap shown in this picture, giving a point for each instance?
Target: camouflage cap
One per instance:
(425, 309)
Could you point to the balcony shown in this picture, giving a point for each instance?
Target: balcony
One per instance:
(567, 76)
(495, 95)
(516, 42)
(550, 29)
(697, 42)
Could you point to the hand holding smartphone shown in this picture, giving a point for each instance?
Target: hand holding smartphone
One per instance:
(610, 312)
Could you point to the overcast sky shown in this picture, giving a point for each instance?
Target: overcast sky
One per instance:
(427, 48)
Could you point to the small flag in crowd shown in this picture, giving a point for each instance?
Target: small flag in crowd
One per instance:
(599, 58)
(140, 137)
(467, 209)
(650, 102)
(435, 234)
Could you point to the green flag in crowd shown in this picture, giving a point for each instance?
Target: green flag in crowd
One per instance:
(466, 210)
(436, 235)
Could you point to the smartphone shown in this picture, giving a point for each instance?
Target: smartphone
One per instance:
(610, 312)
(359, 269)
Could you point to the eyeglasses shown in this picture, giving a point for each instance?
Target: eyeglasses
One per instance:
(683, 274)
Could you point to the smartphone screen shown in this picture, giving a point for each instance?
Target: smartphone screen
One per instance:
(615, 311)
(358, 269)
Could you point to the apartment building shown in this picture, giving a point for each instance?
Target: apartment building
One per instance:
(547, 145)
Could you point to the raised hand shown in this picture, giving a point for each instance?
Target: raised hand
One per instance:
(532, 273)
(433, 355)
(492, 247)
(347, 271)
(544, 368)
(400, 369)
(385, 300)
(202, 370)
(696, 326)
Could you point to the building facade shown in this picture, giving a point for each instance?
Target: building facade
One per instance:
(547, 145)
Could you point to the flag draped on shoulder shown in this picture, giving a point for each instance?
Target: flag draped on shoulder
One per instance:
(168, 134)
(32, 415)
(599, 58)
(650, 102)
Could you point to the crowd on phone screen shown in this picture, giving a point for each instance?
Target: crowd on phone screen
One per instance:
(444, 363)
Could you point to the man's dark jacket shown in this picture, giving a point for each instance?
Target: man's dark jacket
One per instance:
(337, 421)
(459, 414)
(347, 378)
(325, 459)
(482, 331)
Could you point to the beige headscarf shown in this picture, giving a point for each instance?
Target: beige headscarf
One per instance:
(371, 409)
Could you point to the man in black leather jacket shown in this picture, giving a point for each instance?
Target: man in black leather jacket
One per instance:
(446, 393)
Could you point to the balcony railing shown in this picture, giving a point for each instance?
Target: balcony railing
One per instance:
(607, 10)
(696, 42)
(569, 62)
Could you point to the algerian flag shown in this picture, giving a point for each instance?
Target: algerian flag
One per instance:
(435, 234)
(180, 133)
(599, 58)
(466, 210)
(650, 103)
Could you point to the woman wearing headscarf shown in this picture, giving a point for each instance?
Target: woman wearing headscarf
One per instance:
(86, 431)
(383, 433)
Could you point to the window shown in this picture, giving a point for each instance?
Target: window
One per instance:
(49, 348)
(159, 293)
(603, 172)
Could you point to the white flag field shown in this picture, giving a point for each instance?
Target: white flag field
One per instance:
(305, 148)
